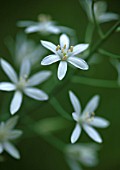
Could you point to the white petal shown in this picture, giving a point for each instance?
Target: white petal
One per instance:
(108, 17)
(75, 116)
(78, 62)
(25, 23)
(33, 28)
(1, 148)
(6, 86)
(62, 69)
(92, 133)
(53, 29)
(64, 40)
(10, 123)
(36, 94)
(16, 102)
(8, 69)
(25, 68)
(92, 105)
(15, 134)
(49, 45)
(99, 122)
(100, 7)
(11, 150)
(76, 133)
(75, 102)
(38, 78)
(73, 164)
(50, 59)
(79, 48)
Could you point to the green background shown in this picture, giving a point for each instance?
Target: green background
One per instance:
(36, 153)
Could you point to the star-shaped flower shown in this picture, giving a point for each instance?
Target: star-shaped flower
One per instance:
(45, 26)
(7, 133)
(100, 9)
(23, 84)
(81, 154)
(22, 48)
(86, 119)
(65, 54)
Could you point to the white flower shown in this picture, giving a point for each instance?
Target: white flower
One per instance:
(116, 64)
(7, 133)
(86, 119)
(23, 48)
(23, 84)
(78, 154)
(65, 54)
(44, 26)
(100, 9)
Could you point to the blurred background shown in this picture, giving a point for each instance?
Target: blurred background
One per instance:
(36, 153)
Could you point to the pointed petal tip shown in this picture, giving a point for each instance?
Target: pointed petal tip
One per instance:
(60, 77)
(72, 141)
(12, 111)
(70, 92)
(42, 63)
(42, 41)
(99, 141)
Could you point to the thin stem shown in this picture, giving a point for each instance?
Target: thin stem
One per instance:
(95, 82)
(89, 32)
(103, 40)
(107, 53)
(59, 109)
(100, 33)
(55, 142)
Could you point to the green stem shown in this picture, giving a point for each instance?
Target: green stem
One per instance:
(89, 33)
(59, 109)
(100, 33)
(107, 53)
(55, 142)
(95, 82)
(103, 40)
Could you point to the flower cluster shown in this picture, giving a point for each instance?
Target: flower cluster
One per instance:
(26, 54)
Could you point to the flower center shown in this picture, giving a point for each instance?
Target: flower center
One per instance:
(64, 52)
(22, 82)
(44, 18)
(89, 117)
(3, 136)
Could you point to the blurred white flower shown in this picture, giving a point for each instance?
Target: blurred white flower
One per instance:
(116, 64)
(23, 48)
(81, 154)
(118, 29)
(7, 133)
(44, 26)
(100, 9)
(86, 119)
(65, 54)
(23, 84)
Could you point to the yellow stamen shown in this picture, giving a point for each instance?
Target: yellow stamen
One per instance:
(64, 46)
(90, 116)
(62, 51)
(64, 57)
(58, 47)
(71, 48)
